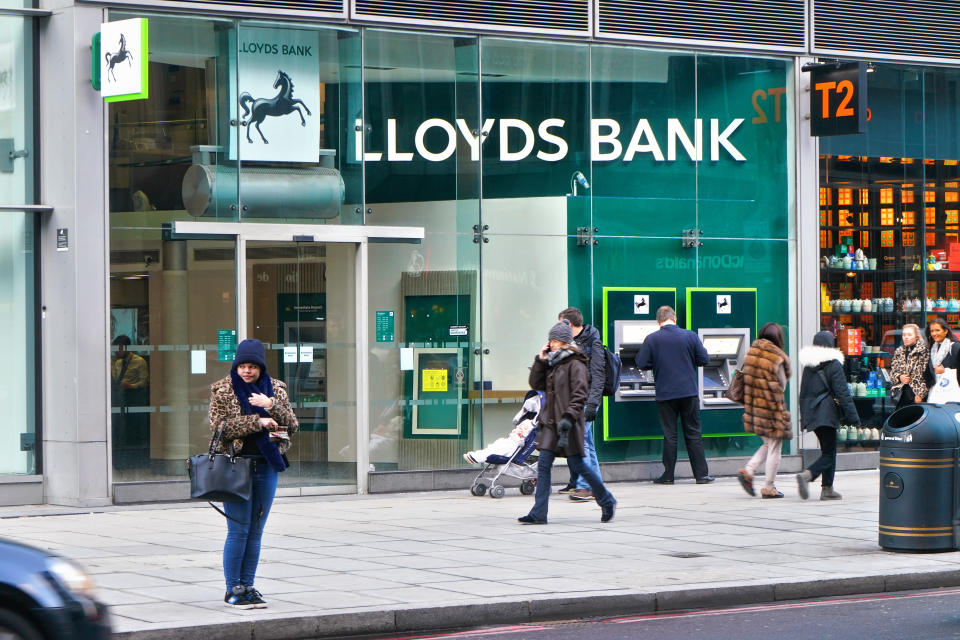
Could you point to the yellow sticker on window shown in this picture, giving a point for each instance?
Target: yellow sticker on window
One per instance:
(434, 380)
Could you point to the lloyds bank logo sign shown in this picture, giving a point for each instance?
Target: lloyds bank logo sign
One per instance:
(519, 140)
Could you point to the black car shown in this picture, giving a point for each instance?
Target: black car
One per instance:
(46, 597)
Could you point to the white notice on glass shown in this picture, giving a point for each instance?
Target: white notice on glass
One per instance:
(406, 359)
(306, 354)
(198, 361)
(289, 354)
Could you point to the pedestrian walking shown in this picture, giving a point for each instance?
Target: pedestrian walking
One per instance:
(910, 362)
(674, 355)
(254, 410)
(824, 400)
(587, 339)
(560, 371)
(765, 372)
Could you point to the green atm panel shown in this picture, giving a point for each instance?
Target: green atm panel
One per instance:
(628, 314)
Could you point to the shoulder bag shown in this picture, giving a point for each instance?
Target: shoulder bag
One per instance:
(828, 393)
(734, 392)
(220, 477)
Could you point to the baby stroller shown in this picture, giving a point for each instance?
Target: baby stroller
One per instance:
(519, 463)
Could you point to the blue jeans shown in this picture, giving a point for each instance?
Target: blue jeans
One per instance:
(241, 551)
(542, 497)
(589, 458)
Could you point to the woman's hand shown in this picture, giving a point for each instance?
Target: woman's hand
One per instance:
(543, 352)
(939, 368)
(261, 400)
(904, 378)
(268, 423)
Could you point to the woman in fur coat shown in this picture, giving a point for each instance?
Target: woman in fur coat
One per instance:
(766, 370)
(824, 400)
(910, 362)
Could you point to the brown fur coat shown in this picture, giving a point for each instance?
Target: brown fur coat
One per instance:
(764, 407)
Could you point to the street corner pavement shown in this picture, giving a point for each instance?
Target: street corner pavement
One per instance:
(337, 565)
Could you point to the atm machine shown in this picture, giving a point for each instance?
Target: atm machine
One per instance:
(727, 348)
(628, 337)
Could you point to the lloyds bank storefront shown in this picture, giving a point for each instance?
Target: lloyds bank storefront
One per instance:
(399, 214)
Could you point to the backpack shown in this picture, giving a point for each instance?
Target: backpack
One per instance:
(611, 370)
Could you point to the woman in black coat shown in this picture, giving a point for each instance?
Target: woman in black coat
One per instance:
(560, 370)
(824, 400)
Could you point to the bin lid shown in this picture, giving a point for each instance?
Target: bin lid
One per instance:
(922, 425)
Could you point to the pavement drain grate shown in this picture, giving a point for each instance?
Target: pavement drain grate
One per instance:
(687, 554)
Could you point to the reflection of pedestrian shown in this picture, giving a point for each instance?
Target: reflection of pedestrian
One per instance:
(674, 355)
(766, 370)
(129, 372)
(560, 370)
(130, 378)
(258, 421)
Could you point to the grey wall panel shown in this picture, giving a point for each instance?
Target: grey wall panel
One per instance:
(888, 28)
(774, 24)
(545, 16)
(281, 8)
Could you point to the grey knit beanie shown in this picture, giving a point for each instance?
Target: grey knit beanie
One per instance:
(561, 331)
(824, 339)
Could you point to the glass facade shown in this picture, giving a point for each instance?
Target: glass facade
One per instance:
(545, 175)
(889, 228)
(18, 388)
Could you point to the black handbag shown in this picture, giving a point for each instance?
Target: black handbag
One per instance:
(220, 477)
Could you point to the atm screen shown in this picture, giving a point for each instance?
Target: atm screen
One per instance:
(722, 345)
(637, 333)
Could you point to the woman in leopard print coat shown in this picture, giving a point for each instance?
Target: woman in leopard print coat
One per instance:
(257, 419)
(910, 362)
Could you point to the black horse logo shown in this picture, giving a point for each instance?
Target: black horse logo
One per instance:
(641, 304)
(280, 105)
(113, 59)
(723, 302)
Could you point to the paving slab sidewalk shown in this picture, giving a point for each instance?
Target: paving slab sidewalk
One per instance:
(342, 565)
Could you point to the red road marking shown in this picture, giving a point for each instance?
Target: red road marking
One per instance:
(785, 605)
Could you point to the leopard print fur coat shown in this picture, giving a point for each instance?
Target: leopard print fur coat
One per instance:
(225, 408)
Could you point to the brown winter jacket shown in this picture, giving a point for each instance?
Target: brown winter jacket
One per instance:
(225, 408)
(764, 408)
(566, 386)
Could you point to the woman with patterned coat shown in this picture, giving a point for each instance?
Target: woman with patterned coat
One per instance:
(257, 419)
(910, 362)
(766, 370)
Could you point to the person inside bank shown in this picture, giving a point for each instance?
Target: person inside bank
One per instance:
(257, 419)
(674, 355)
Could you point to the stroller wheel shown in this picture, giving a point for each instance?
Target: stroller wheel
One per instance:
(496, 491)
(527, 487)
(478, 489)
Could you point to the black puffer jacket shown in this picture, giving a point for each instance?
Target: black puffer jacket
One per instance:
(817, 406)
(565, 384)
(591, 346)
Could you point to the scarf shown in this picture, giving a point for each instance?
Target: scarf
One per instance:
(939, 351)
(243, 390)
(558, 356)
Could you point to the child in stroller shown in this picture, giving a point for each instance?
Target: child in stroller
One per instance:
(510, 455)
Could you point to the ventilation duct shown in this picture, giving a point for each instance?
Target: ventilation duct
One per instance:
(210, 190)
(537, 16)
(887, 28)
(769, 24)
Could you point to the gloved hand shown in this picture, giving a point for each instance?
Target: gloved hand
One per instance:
(590, 412)
(563, 430)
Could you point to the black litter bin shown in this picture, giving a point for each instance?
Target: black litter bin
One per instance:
(918, 478)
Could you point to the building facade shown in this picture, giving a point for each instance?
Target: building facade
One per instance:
(398, 200)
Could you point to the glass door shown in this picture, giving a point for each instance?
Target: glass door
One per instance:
(309, 330)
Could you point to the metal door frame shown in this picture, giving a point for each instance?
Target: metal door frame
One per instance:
(359, 235)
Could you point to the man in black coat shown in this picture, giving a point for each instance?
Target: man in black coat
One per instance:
(587, 338)
(674, 355)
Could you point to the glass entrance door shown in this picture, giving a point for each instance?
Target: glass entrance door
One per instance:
(309, 329)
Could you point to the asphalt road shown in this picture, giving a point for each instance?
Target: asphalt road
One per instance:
(920, 615)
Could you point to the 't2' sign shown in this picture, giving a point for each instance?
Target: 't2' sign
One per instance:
(838, 99)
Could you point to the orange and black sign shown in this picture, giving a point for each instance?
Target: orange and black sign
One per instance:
(838, 98)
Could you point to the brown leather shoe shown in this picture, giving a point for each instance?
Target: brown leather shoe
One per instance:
(581, 495)
(770, 493)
